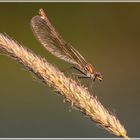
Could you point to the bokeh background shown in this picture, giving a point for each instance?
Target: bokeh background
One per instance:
(106, 34)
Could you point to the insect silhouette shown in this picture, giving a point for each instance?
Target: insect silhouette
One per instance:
(56, 45)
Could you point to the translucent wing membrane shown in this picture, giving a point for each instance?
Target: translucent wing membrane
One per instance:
(54, 43)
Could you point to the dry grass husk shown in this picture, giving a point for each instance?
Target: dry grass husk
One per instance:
(76, 94)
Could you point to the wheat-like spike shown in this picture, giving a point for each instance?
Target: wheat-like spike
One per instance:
(77, 95)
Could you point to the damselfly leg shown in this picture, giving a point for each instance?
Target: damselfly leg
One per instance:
(82, 75)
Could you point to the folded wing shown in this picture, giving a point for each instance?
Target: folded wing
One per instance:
(54, 43)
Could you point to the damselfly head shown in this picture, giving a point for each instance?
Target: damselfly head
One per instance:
(98, 75)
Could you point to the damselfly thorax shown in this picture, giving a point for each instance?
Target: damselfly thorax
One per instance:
(92, 73)
(56, 45)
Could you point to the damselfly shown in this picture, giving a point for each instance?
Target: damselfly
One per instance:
(56, 45)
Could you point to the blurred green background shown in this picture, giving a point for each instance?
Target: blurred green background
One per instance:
(106, 34)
